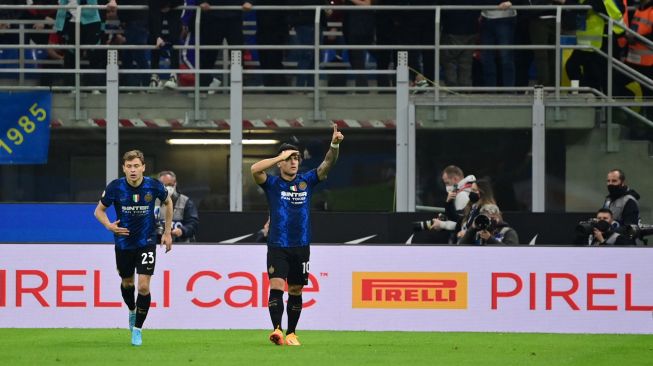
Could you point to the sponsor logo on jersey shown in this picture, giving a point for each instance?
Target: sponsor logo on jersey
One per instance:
(409, 290)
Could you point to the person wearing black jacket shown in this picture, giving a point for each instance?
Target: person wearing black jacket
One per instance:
(185, 219)
(218, 25)
(604, 233)
(271, 29)
(417, 27)
(303, 21)
(459, 27)
(621, 200)
(542, 31)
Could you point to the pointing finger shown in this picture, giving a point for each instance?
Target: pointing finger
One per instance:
(335, 127)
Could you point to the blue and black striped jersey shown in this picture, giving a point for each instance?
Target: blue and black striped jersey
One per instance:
(135, 209)
(290, 209)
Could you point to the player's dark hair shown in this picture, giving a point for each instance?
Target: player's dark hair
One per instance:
(133, 154)
(286, 146)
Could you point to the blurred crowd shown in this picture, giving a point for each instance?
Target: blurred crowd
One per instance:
(164, 26)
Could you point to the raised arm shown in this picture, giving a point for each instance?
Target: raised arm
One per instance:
(258, 169)
(331, 155)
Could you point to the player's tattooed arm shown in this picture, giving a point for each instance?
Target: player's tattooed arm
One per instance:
(331, 155)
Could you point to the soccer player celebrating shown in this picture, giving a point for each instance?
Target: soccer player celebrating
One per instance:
(134, 232)
(289, 235)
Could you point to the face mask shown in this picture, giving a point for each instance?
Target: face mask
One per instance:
(616, 190)
(603, 226)
(474, 197)
(171, 190)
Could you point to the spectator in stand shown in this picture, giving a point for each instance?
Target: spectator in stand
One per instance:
(40, 17)
(498, 28)
(271, 29)
(90, 34)
(417, 27)
(160, 11)
(134, 23)
(303, 21)
(542, 31)
(56, 55)
(459, 27)
(387, 33)
(9, 14)
(217, 26)
(358, 28)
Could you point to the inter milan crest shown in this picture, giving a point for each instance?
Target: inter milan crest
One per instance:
(302, 186)
(136, 198)
(148, 197)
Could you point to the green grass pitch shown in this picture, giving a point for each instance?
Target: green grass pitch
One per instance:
(251, 347)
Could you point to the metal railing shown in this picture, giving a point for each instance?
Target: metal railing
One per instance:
(405, 109)
(316, 47)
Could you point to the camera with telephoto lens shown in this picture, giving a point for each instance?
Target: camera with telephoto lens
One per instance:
(483, 222)
(427, 224)
(587, 227)
(638, 231)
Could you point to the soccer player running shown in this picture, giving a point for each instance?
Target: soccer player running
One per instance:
(289, 235)
(134, 232)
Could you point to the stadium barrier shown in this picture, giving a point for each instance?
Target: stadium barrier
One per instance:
(508, 289)
(51, 223)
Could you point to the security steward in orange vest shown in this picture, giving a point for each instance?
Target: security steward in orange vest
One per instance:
(640, 55)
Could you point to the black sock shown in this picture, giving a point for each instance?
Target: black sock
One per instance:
(128, 296)
(294, 310)
(142, 307)
(275, 305)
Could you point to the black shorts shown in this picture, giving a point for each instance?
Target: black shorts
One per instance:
(290, 264)
(143, 259)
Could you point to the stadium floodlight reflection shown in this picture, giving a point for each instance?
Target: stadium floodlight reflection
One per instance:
(218, 142)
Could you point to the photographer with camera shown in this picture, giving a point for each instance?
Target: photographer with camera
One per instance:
(621, 200)
(458, 188)
(489, 228)
(480, 195)
(185, 218)
(601, 230)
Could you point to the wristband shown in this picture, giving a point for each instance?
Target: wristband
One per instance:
(335, 146)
